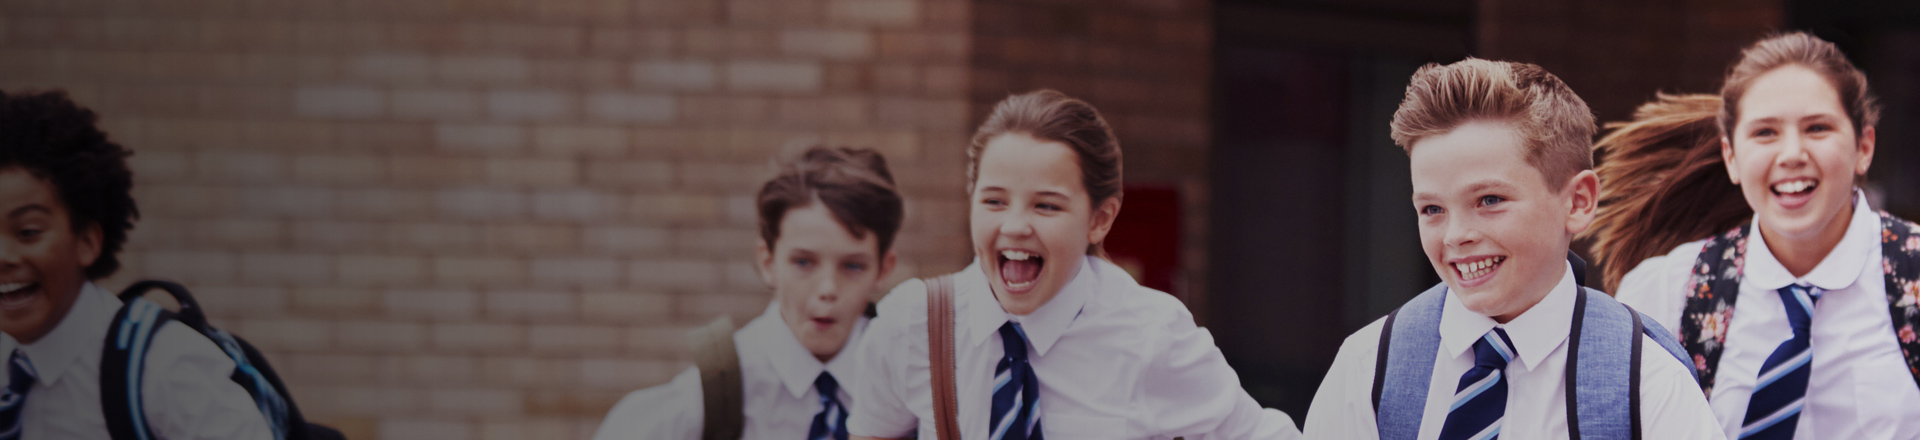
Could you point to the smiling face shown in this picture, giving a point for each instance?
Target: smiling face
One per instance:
(1032, 219)
(1794, 154)
(1489, 223)
(42, 259)
(823, 276)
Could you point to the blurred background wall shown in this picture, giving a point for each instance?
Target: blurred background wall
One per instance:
(493, 218)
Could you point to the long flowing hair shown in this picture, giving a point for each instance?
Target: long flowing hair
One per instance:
(1665, 183)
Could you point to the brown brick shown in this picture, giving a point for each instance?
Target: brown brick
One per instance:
(436, 104)
(454, 305)
(381, 270)
(530, 105)
(240, 233)
(630, 174)
(480, 338)
(890, 13)
(625, 307)
(532, 172)
(380, 336)
(827, 44)
(573, 339)
(479, 271)
(531, 238)
(329, 301)
(537, 305)
(340, 169)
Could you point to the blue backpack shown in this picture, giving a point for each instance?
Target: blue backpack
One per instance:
(125, 354)
(1603, 349)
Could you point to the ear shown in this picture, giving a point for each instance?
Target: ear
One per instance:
(1103, 216)
(1584, 193)
(1866, 151)
(763, 262)
(86, 244)
(887, 263)
(1726, 158)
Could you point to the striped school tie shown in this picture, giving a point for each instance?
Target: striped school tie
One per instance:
(20, 378)
(1016, 391)
(831, 423)
(1781, 389)
(1480, 402)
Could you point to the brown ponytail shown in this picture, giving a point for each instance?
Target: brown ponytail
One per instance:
(1664, 183)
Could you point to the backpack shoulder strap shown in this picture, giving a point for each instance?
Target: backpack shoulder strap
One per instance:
(946, 405)
(1900, 248)
(1606, 351)
(123, 356)
(720, 382)
(1711, 291)
(1404, 365)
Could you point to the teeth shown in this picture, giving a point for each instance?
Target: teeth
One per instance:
(1793, 186)
(11, 287)
(1477, 268)
(1020, 285)
(1015, 255)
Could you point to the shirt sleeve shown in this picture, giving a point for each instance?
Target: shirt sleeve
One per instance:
(880, 398)
(1343, 407)
(1671, 403)
(672, 411)
(1657, 287)
(189, 393)
(1193, 393)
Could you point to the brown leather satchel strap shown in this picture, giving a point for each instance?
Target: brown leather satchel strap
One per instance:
(720, 381)
(940, 353)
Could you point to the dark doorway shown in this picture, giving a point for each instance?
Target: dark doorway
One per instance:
(1312, 234)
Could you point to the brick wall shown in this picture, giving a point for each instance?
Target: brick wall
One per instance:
(490, 218)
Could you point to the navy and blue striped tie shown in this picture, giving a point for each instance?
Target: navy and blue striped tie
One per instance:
(1016, 391)
(20, 378)
(1480, 402)
(831, 423)
(1780, 392)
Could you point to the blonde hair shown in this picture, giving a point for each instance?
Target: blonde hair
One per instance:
(1554, 124)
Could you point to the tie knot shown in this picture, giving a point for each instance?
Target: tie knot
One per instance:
(829, 388)
(20, 374)
(1015, 340)
(1493, 350)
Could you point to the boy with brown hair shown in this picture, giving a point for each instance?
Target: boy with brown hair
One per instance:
(827, 224)
(1508, 345)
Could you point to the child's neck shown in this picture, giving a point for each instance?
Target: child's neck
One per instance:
(1800, 256)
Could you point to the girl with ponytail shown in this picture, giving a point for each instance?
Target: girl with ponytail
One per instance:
(1750, 198)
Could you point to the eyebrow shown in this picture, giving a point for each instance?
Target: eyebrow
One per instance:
(1475, 187)
(20, 211)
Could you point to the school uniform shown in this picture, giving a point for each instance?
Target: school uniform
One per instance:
(1859, 386)
(781, 382)
(1104, 359)
(1535, 377)
(188, 392)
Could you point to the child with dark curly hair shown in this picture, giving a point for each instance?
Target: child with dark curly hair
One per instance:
(65, 209)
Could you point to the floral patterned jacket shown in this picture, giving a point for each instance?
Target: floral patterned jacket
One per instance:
(1715, 285)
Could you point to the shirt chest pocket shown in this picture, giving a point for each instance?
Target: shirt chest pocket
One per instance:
(1070, 427)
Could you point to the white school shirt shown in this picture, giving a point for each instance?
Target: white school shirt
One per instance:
(1115, 360)
(776, 375)
(1670, 403)
(187, 389)
(1859, 387)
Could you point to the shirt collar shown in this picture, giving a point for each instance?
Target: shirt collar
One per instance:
(1536, 333)
(83, 329)
(769, 337)
(1841, 267)
(1045, 325)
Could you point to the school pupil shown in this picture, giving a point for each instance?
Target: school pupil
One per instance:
(1508, 345)
(1040, 337)
(1747, 234)
(827, 224)
(66, 207)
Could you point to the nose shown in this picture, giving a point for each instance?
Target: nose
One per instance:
(1461, 231)
(1018, 224)
(1793, 153)
(827, 290)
